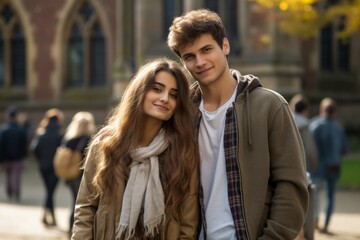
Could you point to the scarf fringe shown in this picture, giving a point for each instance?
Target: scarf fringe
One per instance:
(153, 227)
(150, 230)
(124, 230)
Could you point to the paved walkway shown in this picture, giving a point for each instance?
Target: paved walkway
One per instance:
(22, 220)
(345, 223)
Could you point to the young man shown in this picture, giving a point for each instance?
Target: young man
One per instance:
(300, 105)
(13, 150)
(332, 144)
(253, 172)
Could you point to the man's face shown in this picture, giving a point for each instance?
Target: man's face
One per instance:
(205, 59)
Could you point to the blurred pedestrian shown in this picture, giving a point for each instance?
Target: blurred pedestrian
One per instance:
(299, 106)
(77, 137)
(13, 150)
(47, 138)
(253, 172)
(331, 143)
(141, 172)
(24, 122)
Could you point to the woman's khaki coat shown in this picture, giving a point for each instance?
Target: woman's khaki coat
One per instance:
(98, 218)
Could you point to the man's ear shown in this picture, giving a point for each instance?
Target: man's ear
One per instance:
(226, 46)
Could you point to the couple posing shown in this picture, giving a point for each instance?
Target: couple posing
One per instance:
(235, 172)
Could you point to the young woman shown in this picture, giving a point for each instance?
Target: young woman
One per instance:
(77, 136)
(46, 140)
(140, 177)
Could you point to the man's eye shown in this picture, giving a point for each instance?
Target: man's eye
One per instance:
(188, 58)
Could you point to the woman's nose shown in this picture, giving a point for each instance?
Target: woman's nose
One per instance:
(164, 97)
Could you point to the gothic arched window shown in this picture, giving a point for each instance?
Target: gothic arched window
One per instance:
(228, 12)
(12, 49)
(172, 8)
(86, 52)
(334, 52)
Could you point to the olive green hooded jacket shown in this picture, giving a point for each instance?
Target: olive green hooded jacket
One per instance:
(270, 159)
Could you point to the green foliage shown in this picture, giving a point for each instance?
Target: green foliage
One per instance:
(350, 170)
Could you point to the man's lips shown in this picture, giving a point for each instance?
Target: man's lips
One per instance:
(203, 71)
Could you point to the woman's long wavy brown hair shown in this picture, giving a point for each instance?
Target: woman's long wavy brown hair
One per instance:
(125, 127)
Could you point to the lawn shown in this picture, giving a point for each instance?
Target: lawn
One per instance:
(350, 172)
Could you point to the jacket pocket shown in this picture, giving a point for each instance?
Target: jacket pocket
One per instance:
(265, 214)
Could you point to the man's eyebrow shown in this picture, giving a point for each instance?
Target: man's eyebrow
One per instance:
(206, 46)
(202, 48)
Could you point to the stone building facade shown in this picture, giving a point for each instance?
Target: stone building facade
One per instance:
(80, 54)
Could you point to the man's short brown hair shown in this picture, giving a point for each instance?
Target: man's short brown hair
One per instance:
(187, 28)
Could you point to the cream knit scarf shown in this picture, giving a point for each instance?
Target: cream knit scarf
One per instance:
(144, 189)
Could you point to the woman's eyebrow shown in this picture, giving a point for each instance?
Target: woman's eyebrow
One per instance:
(163, 85)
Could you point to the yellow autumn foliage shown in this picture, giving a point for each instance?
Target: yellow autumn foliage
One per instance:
(303, 17)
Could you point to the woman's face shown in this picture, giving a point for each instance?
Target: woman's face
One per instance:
(160, 99)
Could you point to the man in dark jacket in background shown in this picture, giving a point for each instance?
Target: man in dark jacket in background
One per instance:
(13, 149)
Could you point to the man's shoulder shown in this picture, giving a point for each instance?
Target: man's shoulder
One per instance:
(266, 94)
(317, 122)
(5, 128)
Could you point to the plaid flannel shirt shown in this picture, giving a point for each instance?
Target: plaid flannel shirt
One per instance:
(233, 177)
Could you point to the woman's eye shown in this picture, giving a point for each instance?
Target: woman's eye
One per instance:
(156, 89)
(173, 95)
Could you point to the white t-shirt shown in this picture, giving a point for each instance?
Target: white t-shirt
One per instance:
(220, 223)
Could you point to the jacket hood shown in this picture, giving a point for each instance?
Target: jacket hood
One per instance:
(246, 83)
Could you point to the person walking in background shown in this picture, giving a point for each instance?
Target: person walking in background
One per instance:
(13, 150)
(140, 178)
(77, 137)
(47, 138)
(299, 105)
(331, 143)
(253, 172)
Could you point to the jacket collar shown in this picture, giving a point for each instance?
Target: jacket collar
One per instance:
(246, 84)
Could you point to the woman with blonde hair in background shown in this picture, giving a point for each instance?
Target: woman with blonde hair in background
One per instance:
(47, 138)
(141, 172)
(77, 137)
